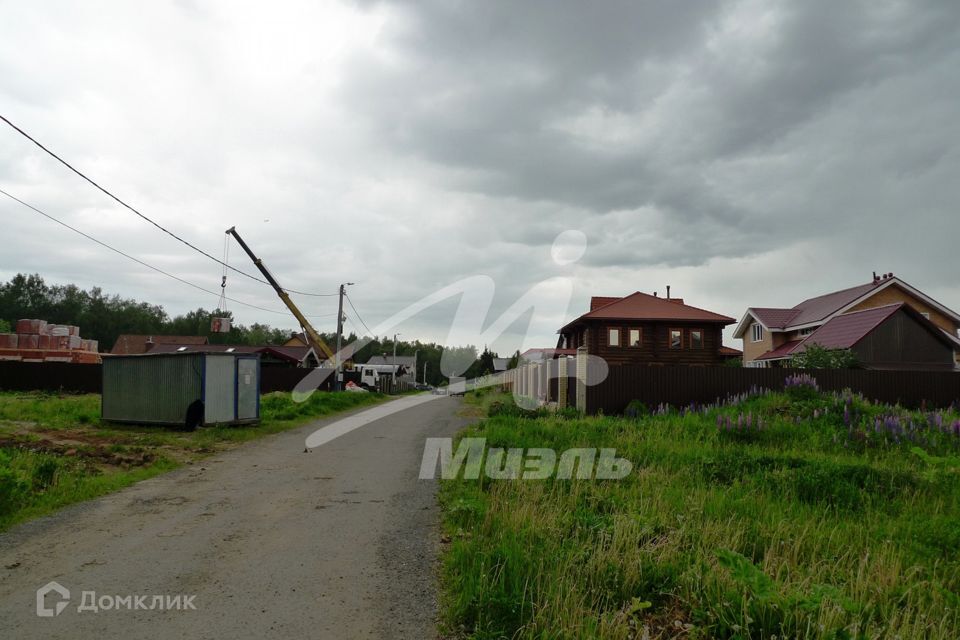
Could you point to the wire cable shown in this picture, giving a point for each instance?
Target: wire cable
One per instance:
(141, 262)
(357, 313)
(155, 224)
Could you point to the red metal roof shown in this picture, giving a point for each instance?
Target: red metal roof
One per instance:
(642, 306)
(773, 318)
(844, 331)
(601, 301)
(129, 343)
(783, 351)
(204, 348)
(816, 309)
(292, 354)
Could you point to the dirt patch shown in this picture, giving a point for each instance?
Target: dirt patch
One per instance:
(81, 447)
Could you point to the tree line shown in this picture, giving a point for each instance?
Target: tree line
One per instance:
(104, 317)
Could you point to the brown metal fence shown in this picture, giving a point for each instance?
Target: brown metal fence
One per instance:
(50, 376)
(286, 378)
(681, 386)
(67, 377)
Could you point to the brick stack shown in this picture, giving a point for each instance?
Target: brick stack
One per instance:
(38, 341)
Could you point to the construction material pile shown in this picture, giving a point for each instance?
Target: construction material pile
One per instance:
(38, 341)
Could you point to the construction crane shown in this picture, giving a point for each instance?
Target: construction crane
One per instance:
(312, 336)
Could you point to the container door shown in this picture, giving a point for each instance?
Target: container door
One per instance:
(248, 389)
(218, 394)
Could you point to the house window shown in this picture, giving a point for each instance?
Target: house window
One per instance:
(696, 338)
(676, 339)
(757, 332)
(636, 338)
(807, 331)
(613, 337)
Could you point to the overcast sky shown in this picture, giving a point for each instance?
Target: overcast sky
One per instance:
(746, 153)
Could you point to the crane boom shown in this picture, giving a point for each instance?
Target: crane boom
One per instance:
(312, 336)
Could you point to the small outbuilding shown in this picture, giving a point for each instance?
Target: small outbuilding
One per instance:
(182, 389)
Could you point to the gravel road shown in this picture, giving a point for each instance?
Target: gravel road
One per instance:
(273, 541)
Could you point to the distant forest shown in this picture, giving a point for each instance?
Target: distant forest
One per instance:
(104, 317)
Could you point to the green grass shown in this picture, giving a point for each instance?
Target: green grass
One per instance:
(817, 525)
(55, 451)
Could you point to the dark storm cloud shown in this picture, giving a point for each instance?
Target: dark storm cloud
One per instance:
(674, 97)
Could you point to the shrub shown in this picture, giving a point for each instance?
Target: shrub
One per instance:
(636, 409)
(13, 488)
(816, 357)
(510, 409)
(45, 472)
(801, 387)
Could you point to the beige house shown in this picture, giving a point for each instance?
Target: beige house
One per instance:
(772, 335)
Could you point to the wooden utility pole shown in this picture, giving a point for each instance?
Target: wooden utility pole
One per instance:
(338, 373)
(338, 383)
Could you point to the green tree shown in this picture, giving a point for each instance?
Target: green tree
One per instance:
(815, 356)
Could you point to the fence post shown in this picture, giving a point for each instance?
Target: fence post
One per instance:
(562, 383)
(582, 379)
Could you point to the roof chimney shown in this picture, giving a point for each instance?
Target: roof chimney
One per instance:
(875, 278)
(668, 292)
(655, 294)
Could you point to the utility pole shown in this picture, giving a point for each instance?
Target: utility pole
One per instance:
(394, 361)
(338, 373)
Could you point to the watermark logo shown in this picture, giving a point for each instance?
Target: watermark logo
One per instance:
(91, 602)
(542, 306)
(43, 610)
(473, 457)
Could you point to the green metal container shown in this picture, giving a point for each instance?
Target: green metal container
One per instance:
(182, 389)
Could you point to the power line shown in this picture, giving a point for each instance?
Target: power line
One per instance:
(139, 261)
(350, 320)
(144, 217)
(358, 316)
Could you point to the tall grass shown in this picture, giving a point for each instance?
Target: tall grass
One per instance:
(801, 526)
